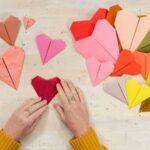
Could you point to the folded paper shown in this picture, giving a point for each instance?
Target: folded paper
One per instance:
(28, 22)
(84, 28)
(49, 48)
(11, 63)
(126, 64)
(145, 106)
(131, 29)
(102, 44)
(9, 29)
(46, 89)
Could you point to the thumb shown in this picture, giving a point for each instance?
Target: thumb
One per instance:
(60, 110)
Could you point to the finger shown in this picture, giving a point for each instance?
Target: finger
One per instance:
(66, 89)
(62, 95)
(80, 94)
(37, 114)
(60, 110)
(73, 90)
(37, 106)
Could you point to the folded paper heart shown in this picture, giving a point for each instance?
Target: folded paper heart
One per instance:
(9, 29)
(131, 29)
(28, 22)
(143, 59)
(84, 28)
(136, 93)
(102, 44)
(48, 48)
(11, 63)
(145, 106)
(126, 64)
(145, 44)
(98, 71)
(46, 89)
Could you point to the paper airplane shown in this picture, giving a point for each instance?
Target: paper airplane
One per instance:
(9, 29)
(49, 48)
(102, 44)
(28, 22)
(84, 28)
(11, 63)
(131, 29)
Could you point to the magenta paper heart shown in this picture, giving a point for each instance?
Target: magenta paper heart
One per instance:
(48, 48)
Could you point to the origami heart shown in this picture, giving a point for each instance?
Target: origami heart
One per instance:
(46, 89)
(82, 29)
(145, 106)
(131, 29)
(102, 44)
(145, 44)
(11, 63)
(136, 93)
(9, 29)
(143, 59)
(28, 22)
(98, 71)
(48, 48)
(126, 64)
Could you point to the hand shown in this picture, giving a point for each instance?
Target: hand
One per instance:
(25, 118)
(73, 111)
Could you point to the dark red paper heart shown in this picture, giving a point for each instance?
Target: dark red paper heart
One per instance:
(46, 89)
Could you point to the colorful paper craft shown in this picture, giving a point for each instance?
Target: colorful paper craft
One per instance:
(84, 28)
(143, 59)
(136, 93)
(48, 48)
(131, 29)
(46, 89)
(145, 44)
(145, 106)
(28, 22)
(102, 44)
(98, 71)
(126, 64)
(11, 63)
(9, 29)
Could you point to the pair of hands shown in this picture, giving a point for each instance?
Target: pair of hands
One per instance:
(73, 112)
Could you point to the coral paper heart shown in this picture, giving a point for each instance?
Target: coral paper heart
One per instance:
(126, 64)
(28, 22)
(48, 48)
(9, 29)
(46, 89)
(98, 71)
(11, 63)
(82, 29)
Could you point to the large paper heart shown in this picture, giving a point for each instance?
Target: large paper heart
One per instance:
(126, 64)
(98, 71)
(131, 29)
(143, 59)
(28, 22)
(11, 63)
(46, 89)
(9, 29)
(102, 44)
(84, 28)
(49, 48)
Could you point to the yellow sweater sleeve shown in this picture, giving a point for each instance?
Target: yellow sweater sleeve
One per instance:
(7, 143)
(88, 141)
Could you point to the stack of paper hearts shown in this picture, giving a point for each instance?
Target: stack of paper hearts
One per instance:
(114, 42)
(11, 61)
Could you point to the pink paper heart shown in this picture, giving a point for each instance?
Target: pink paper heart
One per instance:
(28, 22)
(98, 71)
(49, 48)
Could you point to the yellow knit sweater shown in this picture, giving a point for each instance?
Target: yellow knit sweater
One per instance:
(88, 141)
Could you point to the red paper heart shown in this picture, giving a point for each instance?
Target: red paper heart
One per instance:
(126, 64)
(82, 29)
(46, 89)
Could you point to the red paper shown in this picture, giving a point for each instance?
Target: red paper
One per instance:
(46, 89)
(126, 64)
(84, 28)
